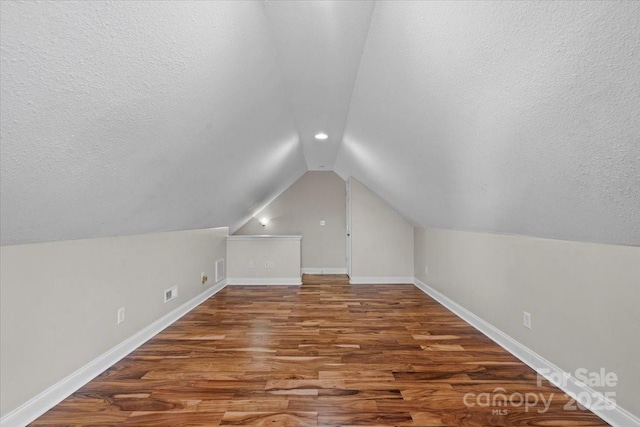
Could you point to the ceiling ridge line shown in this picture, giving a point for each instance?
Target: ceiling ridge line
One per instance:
(353, 87)
(280, 61)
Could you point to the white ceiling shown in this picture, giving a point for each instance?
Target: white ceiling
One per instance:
(132, 117)
(319, 45)
(508, 117)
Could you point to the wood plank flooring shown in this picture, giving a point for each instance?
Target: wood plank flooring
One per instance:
(324, 354)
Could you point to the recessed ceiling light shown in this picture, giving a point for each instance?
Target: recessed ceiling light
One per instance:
(321, 136)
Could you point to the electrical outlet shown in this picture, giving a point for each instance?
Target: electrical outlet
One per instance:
(170, 294)
(120, 315)
(323, 223)
(269, 264)
(203, 278)
(250, 264)
(526, 319)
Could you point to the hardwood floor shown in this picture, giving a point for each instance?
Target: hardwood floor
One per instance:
(324, 354)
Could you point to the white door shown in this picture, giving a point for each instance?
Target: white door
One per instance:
(349, 227)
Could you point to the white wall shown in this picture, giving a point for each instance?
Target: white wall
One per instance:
(59, 300)
(583, 297)
(263, 260)
(316, 196)
(381, 240)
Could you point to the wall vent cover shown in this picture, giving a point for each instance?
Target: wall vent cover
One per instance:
(219, 270)
(170, 294)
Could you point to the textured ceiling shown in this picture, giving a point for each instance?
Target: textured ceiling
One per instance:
(320, 44)
(508, 117)
(132, 117)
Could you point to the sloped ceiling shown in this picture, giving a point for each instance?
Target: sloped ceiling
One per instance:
(508, 117)
(320, 44)
(133, 117)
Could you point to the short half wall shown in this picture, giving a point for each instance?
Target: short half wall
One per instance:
(264, 260)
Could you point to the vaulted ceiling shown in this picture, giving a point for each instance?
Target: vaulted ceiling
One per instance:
(133, 117)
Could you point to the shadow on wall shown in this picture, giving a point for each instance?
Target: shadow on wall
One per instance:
(314, 207)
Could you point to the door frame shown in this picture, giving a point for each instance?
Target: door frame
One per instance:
(348, 228)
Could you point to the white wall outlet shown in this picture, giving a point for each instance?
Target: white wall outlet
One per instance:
(323, 223)
(250, 264)
(526, 319)
(120, 315)
(426, 269)
(269, 264)
(170, 294)
(204, 278)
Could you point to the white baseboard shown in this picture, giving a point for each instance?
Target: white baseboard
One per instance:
(616, 416)
(324, 271)
(38, 405)
(380, 280)
(41, 403)
(277, 281)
